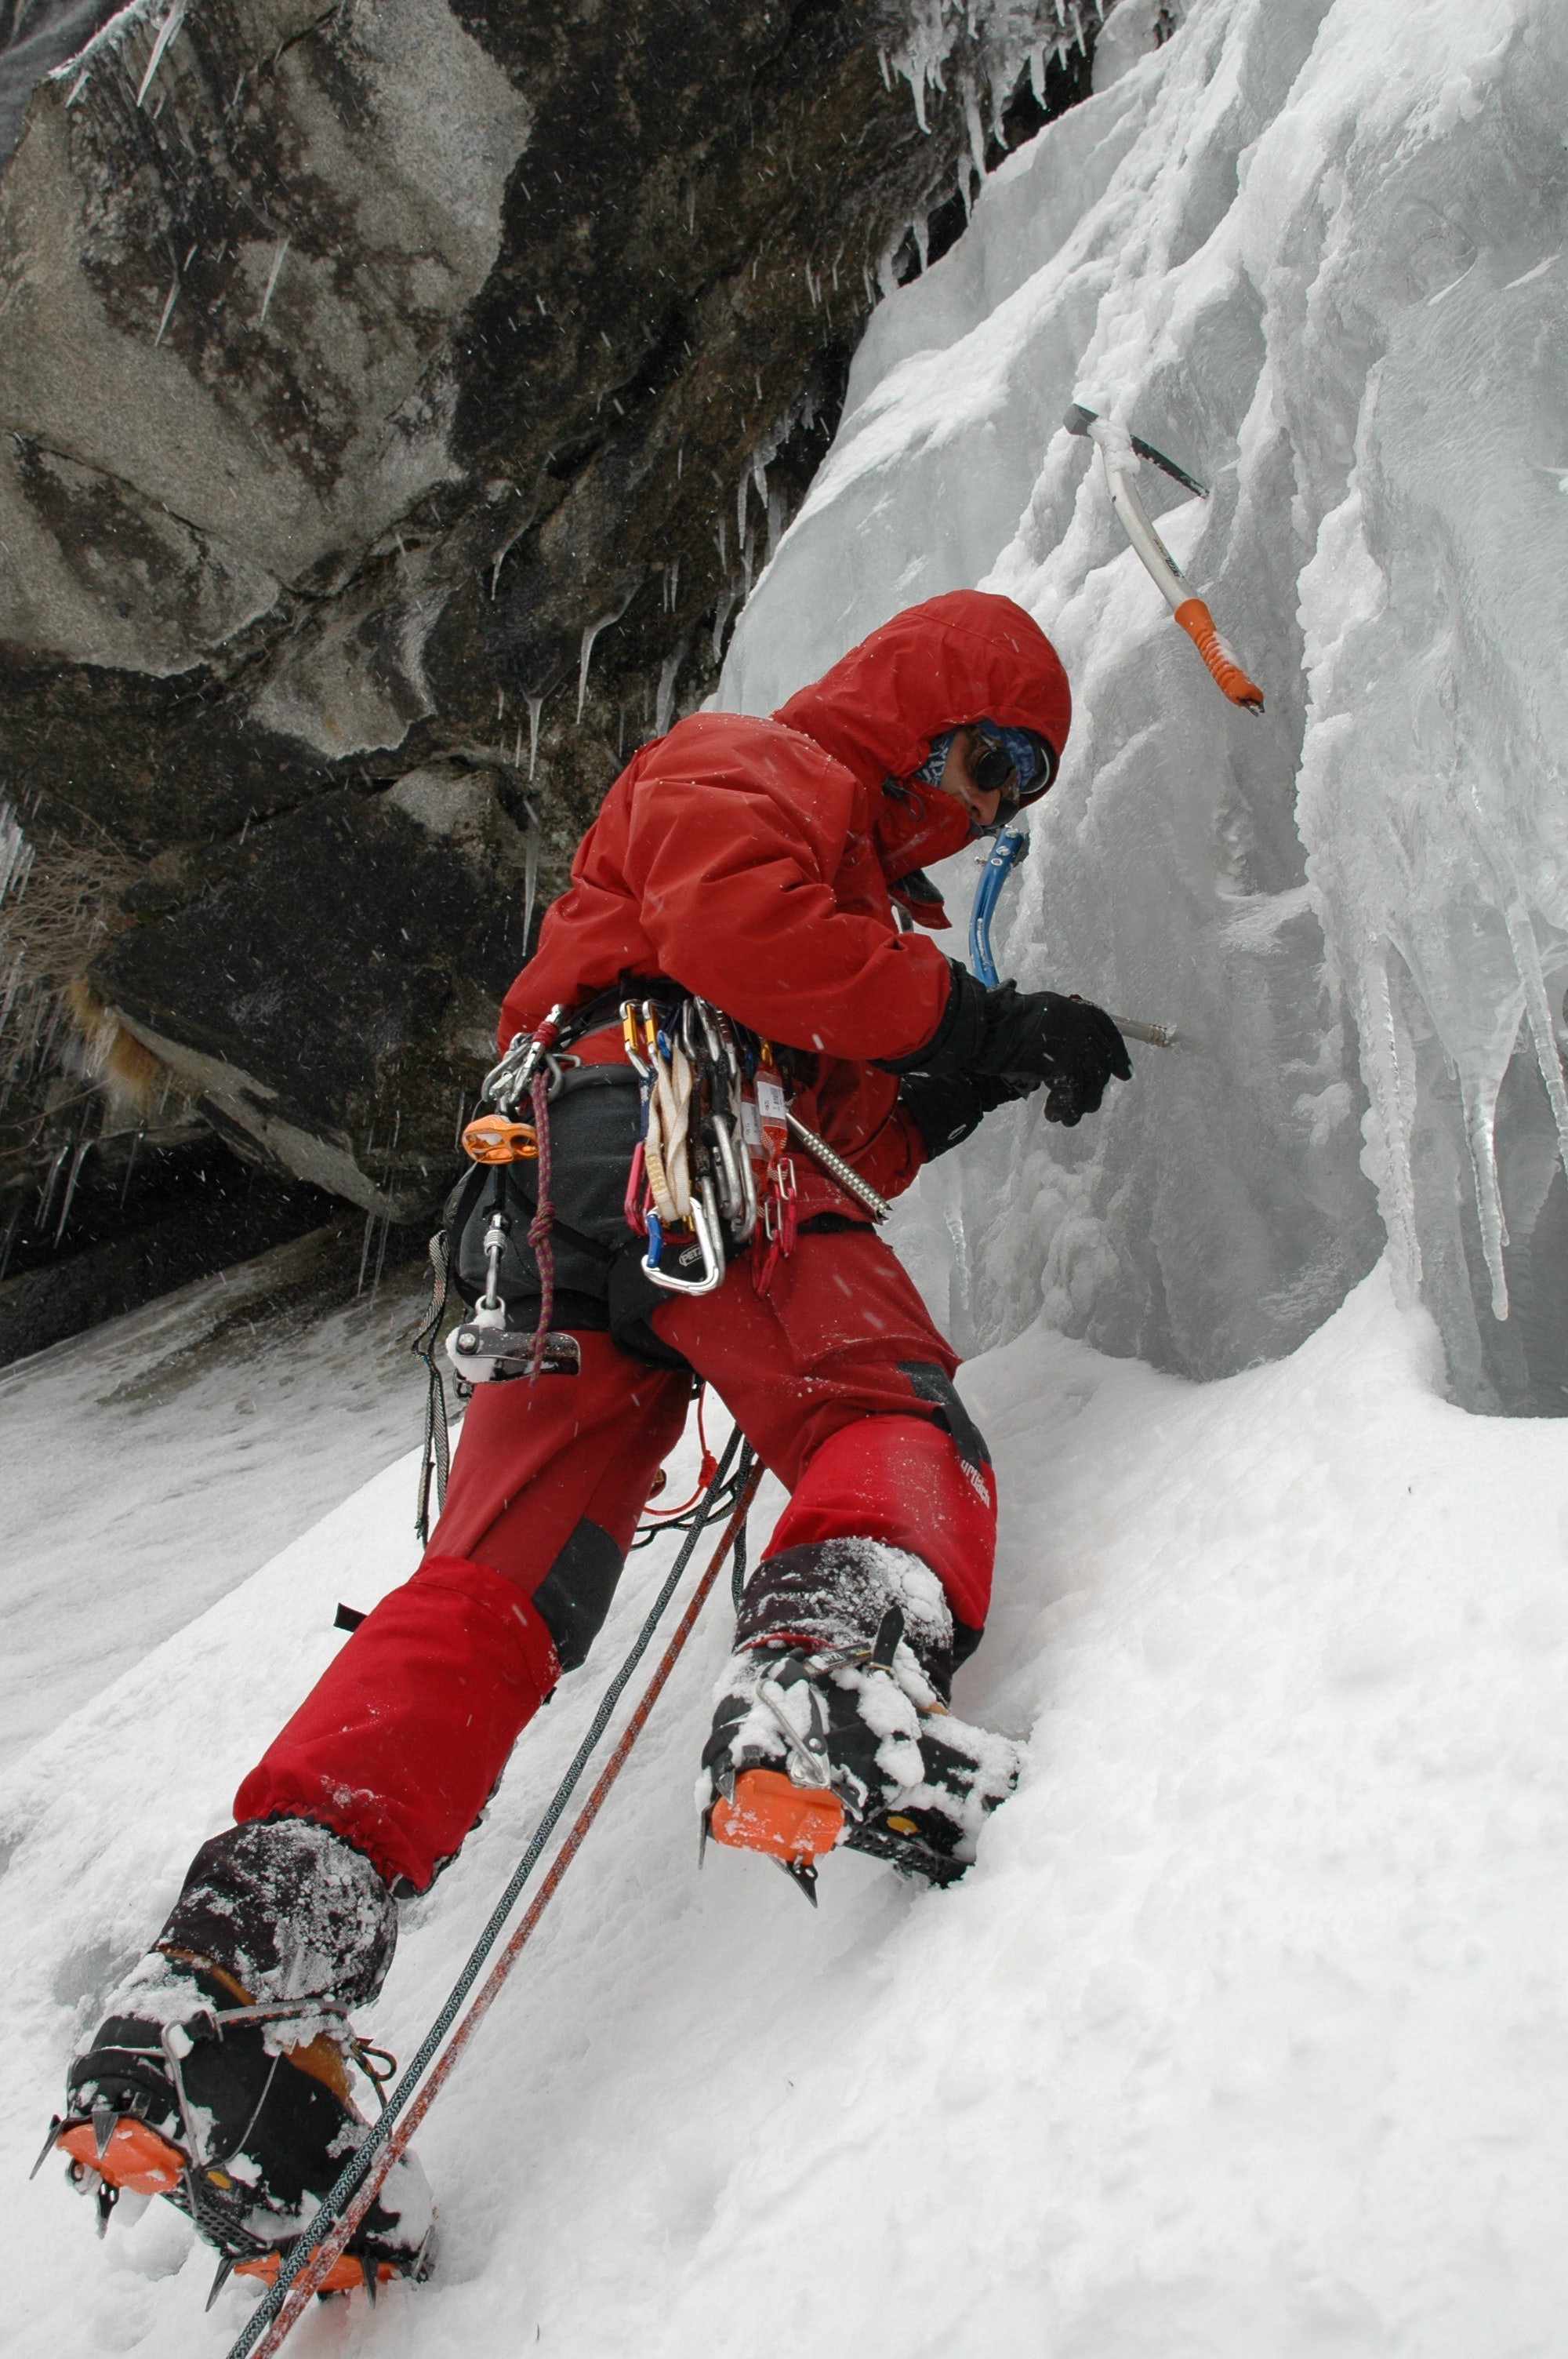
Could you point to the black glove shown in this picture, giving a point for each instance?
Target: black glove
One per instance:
(946, 1107)
(1025, 1039)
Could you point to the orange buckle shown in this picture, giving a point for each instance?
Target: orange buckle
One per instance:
(493, 1139)
(771, 1813)
(345, 2276)
(136, 2158)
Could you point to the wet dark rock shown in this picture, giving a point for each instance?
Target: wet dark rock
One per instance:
(144, 1215)
(401, 398)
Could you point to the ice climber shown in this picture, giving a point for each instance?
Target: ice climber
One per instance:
(754, 866)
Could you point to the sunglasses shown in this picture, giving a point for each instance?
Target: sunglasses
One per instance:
(994, 771)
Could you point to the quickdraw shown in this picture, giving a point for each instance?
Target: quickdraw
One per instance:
(707, 1172)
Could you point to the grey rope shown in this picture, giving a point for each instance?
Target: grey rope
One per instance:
(435, 1461)
(344, 2188)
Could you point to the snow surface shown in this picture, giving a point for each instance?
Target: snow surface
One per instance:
(1247, 2035)
(1314, 249)
(152, 1465)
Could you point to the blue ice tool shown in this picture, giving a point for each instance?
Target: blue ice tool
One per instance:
(1008, 848)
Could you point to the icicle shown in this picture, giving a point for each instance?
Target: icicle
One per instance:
(974, 127)
(535, 706)
(167, 310)
(46, 1194)
(78, 1159)
(668, 675)
(13, 981)
(167, 31)
(718, 536)
(722, 615)
(364, 1254)
(882, 63)
(272, 277)
(741, 491)
(590, 633)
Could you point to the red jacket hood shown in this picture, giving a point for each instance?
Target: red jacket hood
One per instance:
(967, 656)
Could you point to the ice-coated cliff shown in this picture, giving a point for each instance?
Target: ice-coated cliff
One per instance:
(1317, 251)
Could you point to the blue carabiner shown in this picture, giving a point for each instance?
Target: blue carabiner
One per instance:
(1008, 848)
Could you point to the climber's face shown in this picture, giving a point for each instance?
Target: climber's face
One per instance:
(959, 779)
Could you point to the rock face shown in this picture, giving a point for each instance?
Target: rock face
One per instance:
(398, 399)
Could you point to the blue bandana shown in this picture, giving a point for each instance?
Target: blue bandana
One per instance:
(935, 762)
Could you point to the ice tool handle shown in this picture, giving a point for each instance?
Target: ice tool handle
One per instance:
(1121, 453)
(1009, 846)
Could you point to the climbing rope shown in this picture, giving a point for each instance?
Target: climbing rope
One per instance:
(357, 2185)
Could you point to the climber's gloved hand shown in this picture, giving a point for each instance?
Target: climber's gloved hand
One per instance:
(946, 1107)
(1026, 1039)
(1069, 1044)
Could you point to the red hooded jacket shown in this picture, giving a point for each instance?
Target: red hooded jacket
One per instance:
(751, 861)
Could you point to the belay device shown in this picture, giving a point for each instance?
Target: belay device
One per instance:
(487, 1347)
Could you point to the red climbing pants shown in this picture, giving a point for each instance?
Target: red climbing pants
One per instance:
(838, 1380)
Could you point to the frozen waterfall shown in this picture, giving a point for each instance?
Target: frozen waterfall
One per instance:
(1318, 252)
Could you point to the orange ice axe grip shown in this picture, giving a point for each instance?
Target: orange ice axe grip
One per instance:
(771, 1813)
(1226, 673)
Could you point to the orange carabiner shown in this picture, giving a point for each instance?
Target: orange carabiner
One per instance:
(493, 1139)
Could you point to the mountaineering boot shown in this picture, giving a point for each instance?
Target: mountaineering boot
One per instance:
(831, 1724)
(220, 2076)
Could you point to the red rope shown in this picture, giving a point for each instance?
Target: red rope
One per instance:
(332, 2245)
(710, 1468)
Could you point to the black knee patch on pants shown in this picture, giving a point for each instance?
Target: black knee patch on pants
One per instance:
(574, 1595)
(931, 1384)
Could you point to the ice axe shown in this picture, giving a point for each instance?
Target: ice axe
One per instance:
(1121, 452)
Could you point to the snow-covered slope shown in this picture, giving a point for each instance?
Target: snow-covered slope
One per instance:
(148, 1467)
(1247, 2036)
(1314, 248)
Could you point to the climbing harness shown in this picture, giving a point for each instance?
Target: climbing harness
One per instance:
(309, 2261)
